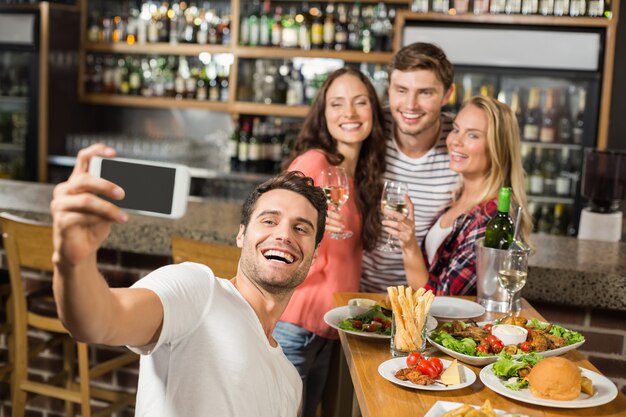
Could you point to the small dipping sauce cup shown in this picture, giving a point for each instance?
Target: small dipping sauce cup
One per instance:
(509, 334)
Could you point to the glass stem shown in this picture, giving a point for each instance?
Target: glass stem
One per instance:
(511, 295)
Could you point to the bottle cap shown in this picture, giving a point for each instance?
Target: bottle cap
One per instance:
(504, 199)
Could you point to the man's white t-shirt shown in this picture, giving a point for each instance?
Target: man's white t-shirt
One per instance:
(212, 357)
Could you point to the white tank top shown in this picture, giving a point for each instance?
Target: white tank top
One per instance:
(434, 238)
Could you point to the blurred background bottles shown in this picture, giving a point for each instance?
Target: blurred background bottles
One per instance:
(153, 21)
(203, 77)
(591, 8)
(333, 26)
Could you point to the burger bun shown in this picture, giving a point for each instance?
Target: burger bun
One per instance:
(555, 378)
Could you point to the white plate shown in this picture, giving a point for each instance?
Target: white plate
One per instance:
(441, 407)
(334, 316)
(486, 360)
(388, 369)
(455, 308)
(604, 391)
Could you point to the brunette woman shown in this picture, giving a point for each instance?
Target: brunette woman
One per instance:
(344, 128)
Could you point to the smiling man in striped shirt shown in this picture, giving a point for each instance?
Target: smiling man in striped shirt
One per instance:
(420, 85)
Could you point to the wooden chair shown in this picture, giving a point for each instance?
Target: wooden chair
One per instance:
(28, 244)
(5, 326)
(222, 259)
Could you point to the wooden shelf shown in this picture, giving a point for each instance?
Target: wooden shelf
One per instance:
(508, 19)
(348, 56)
(157, 48)
(154, 102)
(283, 110)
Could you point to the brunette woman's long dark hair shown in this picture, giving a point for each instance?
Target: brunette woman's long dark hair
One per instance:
(371, 162)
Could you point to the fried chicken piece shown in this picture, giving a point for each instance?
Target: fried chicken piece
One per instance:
(555, 341)
(414, 376)
(475, 332)
(510, 349)
(537, 340)
(515, 320)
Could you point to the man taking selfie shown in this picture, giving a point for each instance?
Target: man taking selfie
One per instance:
(206, 343)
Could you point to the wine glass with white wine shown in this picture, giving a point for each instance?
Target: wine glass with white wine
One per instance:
(335, 184)
(512, 274)
(393, 199)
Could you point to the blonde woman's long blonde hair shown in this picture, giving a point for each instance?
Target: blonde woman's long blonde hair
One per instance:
(505, 160)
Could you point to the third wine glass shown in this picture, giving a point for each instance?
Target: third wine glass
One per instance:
(334, 182)
(393, 199)
(512, 274)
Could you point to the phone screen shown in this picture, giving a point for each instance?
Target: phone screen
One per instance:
(147, 187)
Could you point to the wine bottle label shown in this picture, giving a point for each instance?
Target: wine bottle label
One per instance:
(254, 152)
(531, 132)
(547, 134)
(536, 184)
(290, 38)
(563, 185)
(242, 151)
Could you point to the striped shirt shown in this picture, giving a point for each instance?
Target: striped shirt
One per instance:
(431, 184)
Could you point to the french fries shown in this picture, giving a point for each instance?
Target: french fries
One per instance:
(467, 411)
(410, 309)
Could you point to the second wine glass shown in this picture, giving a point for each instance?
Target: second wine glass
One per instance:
(335, 184)
(512, 274)
(393, 199)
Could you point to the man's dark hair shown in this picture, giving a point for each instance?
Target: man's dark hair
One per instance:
(422, 55)
(297, 182)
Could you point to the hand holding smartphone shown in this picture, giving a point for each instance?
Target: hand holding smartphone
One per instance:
(151, 188)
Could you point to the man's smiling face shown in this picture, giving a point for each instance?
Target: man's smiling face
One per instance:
(278, 244)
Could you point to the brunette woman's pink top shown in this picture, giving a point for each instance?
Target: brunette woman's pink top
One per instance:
(337, 266)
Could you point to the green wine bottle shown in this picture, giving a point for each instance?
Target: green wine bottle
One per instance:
(499, 233)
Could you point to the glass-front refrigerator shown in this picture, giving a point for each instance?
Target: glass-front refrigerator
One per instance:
(551, 77)
(19, 55)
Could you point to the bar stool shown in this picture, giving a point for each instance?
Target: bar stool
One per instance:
(222, 259)
(28, 244)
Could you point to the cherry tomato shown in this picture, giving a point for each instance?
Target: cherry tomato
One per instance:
(437, 364)
(413, 359)
(427, 368)
(525, 346)
(373, 326)
(496, 347)
(357, 324)
(387, 324)
(488, 327)
(482, 349)
(491, 339)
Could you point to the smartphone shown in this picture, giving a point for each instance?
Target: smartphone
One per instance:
(152, 188)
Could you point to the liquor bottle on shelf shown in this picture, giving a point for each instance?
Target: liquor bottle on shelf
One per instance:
(499, 231)
(550, 172)
(265, 25)
(532, 118)
(291, 28)
(341, 28)
(254, 25)
(537, 175)
(579, 124)
(233, 144)
(561, 7)
(561, 220)
(244, 25)
(595, 8)
(329, 27)
(497, 6)
(516, 107)
(354, 28)
(382, 28)
(546, 221)
(513, 7)
(441, 6)
(254, 147)
(530, 6)
(242, 149)
(317, 29)
(577, 7)
(304, 32)
(481, 6)
(564, 178)
(548, 131)
(565, 119)
(546, 7)
(277, 27)
(529, 160)
(420, 6)
(461, 6)
(366, 35)
(276, 145)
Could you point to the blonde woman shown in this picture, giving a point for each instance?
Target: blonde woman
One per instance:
(484, 148)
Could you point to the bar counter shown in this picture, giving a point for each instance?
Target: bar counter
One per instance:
(564, 270)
